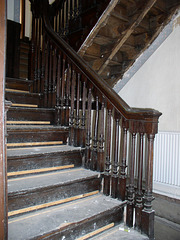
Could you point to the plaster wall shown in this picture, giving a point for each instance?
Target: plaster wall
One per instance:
(157, 83)
(10, 10)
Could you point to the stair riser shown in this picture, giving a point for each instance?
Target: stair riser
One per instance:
(20, 85)
(43, 161)
(23, 98)
(21, 114)
(53, 193)
(77, 230)
(37, 136)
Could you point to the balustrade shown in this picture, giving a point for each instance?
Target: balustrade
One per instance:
(112, 133)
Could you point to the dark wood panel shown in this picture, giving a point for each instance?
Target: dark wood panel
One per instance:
(13, 42)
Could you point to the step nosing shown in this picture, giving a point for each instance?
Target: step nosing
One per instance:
(40, 170)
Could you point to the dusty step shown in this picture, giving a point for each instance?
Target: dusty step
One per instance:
(44, 115)
(40, 133)
(42, 188)
(18, 84)
(23, 97)
(119, 232)
(23, 159)
(67, 221)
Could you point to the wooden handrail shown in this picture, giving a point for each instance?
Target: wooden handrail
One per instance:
(121, 106)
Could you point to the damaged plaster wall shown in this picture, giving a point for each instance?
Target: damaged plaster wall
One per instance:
(157, 83)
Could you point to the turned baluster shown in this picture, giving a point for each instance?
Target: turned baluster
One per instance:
(122, 179)
(75, 9)
(68, 79)
(139, 199)
(114, 190)
(46, 75)
(32, 51)
(58, 120)
(62, 19)
(54, 78)
(95, 138)
(88, 134)
(77, 119)
(100, 162)
(130, 203)
(83, 119)
(39, 56)
(67, 19)
(71, 10)
(71, 123)
(43, 64)
(107, 175)
(35, 55)
(50, 78)
(62, 98)
(148, 213)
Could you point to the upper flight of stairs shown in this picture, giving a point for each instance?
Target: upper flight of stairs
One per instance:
(50, 194)
(122, 33)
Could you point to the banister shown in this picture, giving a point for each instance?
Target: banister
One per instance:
(96, 115)
(143, 114)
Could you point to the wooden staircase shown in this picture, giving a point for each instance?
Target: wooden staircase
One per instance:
(50, 194)
(80, 160)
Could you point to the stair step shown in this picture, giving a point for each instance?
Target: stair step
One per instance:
(18, 84)
(37, 133)
(59, 222)
(17, 97)
(23, 159)
(50, 204)
(47, 187)
(120, 232)
(25, 115)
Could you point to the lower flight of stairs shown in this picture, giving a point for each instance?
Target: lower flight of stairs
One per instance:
(50, 194)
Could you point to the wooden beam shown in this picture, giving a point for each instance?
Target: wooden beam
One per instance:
(3, 167)
(125, 35)
(102, 20)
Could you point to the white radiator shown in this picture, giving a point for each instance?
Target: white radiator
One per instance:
(167, 162)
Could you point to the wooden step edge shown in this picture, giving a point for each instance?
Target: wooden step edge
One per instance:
(12, 149)
(34, 144)
(100, 230)
(24, 105)
(29, 122)
(15, 90)
(41, 170)
(51, 204)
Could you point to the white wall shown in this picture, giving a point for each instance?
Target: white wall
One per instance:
(10, 10)
(157, 83)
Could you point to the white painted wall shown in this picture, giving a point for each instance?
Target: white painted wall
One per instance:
(10, 10)
(157, 83)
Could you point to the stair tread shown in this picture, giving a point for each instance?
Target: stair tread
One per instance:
(45, 180)
(38, 127)
(59, 217)
(120, 232)
(19, 152)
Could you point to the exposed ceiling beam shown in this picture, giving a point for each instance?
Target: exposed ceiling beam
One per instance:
(125, 35)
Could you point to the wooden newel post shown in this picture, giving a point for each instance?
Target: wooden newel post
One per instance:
(148, 213)
(147, 227)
